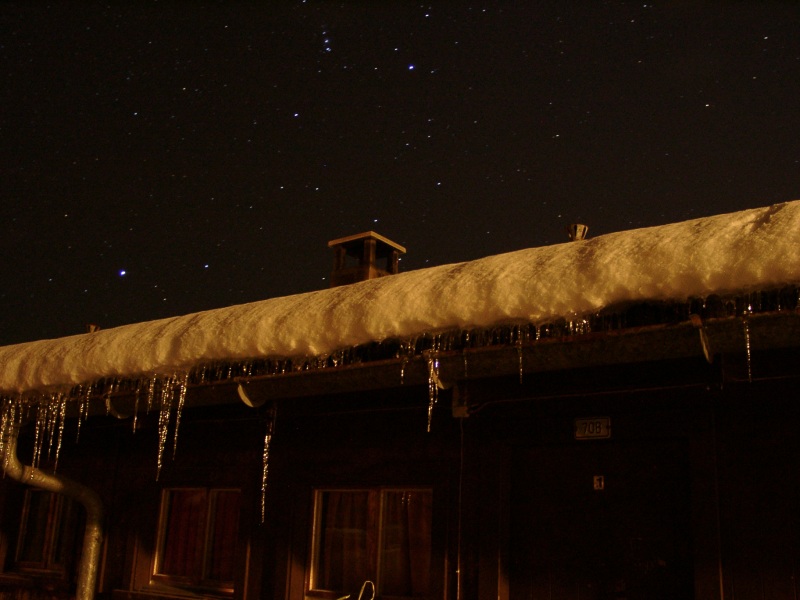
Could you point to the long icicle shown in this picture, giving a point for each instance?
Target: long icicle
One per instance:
(52, 423)
(164, 413)
(83, 400)
(181, 400)
(151, 392)
(136, 404)
(5, 423)
(62, 417)
(38, 436)
(746, 326)
(12, 417)
(265, 459)
(432, 360)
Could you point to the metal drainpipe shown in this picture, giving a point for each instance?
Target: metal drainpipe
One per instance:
(93, 533)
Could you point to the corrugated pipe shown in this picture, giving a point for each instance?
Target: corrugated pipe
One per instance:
(93, 533)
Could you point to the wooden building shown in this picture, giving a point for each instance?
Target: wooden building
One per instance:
(642, 453)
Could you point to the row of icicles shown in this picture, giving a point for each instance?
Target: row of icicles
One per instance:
(48, 413)
(167, 394)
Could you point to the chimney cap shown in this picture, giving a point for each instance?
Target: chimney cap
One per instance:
(577, 231)
(358, 237)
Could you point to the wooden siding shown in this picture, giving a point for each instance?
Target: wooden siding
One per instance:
(700, 472)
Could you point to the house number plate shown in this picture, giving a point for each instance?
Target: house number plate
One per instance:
(593, 428)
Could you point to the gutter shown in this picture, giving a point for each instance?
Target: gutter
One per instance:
(93, 533)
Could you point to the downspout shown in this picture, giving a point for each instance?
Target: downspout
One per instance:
(93, 532)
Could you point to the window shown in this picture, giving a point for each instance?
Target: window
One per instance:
(198, 529)
(381, 535)
(48, 532)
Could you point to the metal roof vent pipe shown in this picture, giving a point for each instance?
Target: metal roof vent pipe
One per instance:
(577, 231)
(93, 532)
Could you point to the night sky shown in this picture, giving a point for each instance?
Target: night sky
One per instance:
(161, 158)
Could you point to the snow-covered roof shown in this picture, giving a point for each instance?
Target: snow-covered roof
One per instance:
(737, 252)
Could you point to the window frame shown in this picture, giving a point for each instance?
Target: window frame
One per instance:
(376, 536)
(198, 580)
(62, 523)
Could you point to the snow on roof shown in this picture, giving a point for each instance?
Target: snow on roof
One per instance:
(737, 252)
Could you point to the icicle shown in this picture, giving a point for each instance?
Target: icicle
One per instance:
(52, 423)
(746, 325)
(181, 399)
(264, 474)
(49, 417)
(3, 428)
(136, 404)
(151, 392)
(82, 400)
(265, 459)
(519, 350)
(62, 417)
(407, 351)
(12, 417)
(5, 422)
(432, 360)
(112, 389)
(38, 435)
(163, 421)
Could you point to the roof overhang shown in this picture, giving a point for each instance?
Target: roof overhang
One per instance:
(742, 341)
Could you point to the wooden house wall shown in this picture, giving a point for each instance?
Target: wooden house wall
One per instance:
(702, 474)
(701, 495)
(219, 448)
(366, 440)
(759, 463)
(555, 534)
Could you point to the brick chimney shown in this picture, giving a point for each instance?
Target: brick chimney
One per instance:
(363, 256)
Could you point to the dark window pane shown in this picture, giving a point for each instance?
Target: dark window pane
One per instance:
(33, 539)
(406, 543)
(342, 562)
(66, 533)
(183, 532)
(223, 530)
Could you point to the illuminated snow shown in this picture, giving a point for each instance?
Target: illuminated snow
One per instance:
(753, 249)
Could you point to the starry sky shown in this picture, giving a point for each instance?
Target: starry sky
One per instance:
(162, 158)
